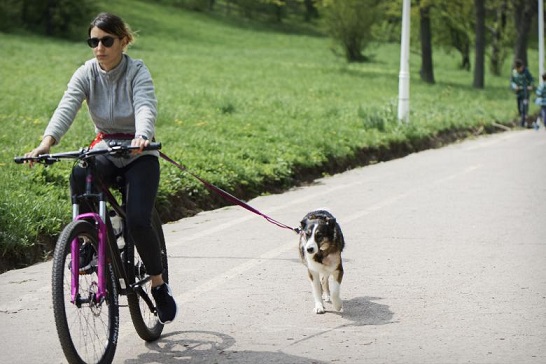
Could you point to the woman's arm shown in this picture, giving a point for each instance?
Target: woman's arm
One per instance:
(70, 104)
(144, 102)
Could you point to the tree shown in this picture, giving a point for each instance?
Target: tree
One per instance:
(350, 22)
(10, 12)
(58, 18)
(454, 27)
(427, 67)
(311, 11)
(524, 11)
(479, 73)
(499, 36)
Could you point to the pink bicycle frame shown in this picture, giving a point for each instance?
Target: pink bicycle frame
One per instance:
(75, 251)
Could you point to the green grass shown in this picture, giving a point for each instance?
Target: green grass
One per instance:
(241, 105)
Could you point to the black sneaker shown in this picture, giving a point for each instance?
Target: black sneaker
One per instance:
(165, 303)
(88, 258)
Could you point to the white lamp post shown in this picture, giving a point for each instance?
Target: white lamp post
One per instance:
(540, 38)
(404, 77)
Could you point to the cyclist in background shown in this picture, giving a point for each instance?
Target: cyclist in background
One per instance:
(120, 96)
(521, 83)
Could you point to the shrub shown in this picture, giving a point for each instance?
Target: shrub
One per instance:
(350, 22)
(58, 18)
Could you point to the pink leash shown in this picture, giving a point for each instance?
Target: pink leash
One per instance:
(227, 196)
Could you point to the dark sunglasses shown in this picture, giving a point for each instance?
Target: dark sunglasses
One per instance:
(107, 41)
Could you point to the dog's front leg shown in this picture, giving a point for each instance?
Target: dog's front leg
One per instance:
(317, 291)
(336, 285)
(325, 287)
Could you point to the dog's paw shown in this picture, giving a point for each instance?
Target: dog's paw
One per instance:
(327, 299)
(319, 309)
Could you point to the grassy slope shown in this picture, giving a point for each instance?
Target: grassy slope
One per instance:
(241, 105)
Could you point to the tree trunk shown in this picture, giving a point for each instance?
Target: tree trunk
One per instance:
(498, 53)
(353, 51)
(427, 67)
(48, 17)
(524, 11)
(465, 62)
(479, 62)
(461, 42)
(311, 11)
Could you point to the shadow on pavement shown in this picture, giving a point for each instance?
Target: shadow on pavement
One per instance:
(213, 347)
(208, 347)
(363, 311)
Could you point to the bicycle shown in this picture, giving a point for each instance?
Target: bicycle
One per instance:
(86, 299)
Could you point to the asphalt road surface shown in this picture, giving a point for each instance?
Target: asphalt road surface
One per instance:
(445, 262)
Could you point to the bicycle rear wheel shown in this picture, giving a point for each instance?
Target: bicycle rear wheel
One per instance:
(145, 321)
(88, 331)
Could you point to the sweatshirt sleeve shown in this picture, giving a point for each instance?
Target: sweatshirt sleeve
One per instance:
(144, 102)
(68, 107)
(530, 79)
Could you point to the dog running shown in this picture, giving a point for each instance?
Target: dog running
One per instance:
(320, 246)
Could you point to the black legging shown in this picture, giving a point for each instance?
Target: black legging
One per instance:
(142, 181)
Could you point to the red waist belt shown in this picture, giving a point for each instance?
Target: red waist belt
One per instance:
(100, 136)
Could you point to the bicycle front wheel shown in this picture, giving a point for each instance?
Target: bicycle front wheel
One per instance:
(145, 321)
(87, 329)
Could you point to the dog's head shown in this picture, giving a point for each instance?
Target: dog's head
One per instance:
(318, 231)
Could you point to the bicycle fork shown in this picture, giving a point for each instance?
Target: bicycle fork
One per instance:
(99, 219)
(101, 253)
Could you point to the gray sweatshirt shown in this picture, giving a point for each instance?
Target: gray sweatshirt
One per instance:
(121, 100)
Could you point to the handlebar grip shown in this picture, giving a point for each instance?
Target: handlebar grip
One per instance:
(153, 146)
(20, 160)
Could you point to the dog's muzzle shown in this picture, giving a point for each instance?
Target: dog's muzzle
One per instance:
(311, 247)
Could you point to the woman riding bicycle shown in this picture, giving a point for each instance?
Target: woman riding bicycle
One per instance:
(120, 96)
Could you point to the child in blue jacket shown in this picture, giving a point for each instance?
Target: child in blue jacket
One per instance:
(541, 100)
(522, 84)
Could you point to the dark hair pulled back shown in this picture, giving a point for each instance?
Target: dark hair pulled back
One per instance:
(112, 24)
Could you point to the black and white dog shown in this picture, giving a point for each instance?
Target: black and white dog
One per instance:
(320, 246)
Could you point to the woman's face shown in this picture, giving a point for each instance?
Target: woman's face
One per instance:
(108, 57)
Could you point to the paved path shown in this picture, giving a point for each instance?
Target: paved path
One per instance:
(445, 263)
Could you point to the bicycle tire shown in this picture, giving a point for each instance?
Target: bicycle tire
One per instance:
(88, 333)
(145, 321)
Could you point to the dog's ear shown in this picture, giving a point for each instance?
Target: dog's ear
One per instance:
(303, 224)
(331, 221)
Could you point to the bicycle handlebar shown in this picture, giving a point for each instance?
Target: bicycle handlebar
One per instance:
(84, 153)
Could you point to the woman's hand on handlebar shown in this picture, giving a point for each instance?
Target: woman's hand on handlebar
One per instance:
(140, 142)
(43, 148)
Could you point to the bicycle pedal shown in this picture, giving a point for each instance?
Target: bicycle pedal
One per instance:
(84, 272)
